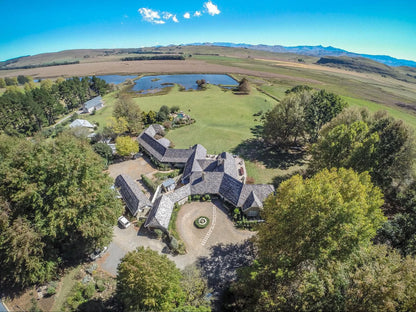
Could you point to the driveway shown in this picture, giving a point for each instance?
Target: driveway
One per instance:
(125, 240)
(134, 168)
(198, 242)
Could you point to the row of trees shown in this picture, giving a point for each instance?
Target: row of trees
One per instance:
(56, 206)
(14, 81)
(27, 111)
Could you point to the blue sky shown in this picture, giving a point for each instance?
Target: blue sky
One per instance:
(373, 27)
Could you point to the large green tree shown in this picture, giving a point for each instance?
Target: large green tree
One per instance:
(325, 217)
(147, 281)
(126, 146)
(56, 191)
(316, 252)
(374, 278)
(284, 125)
(376, 143)
(323, 107)
(126, 108)
(300, 115)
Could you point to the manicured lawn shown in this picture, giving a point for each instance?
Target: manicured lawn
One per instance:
(223, 119)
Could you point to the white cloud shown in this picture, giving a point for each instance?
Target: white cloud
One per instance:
(167, 15)
(151, 16)
(175, 19)
(187, 15)
(211, 8)
(197, 13)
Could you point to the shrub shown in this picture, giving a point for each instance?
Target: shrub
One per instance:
(158, 233)
(89, 291)
(149, 183)
(100, 285)
(201, 222)
(174, 109)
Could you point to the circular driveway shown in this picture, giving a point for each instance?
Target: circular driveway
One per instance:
(220, 230)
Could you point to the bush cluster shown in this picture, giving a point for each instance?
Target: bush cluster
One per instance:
(201, 222)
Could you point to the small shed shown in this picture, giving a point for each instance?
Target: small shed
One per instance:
(81, 123)
(169, 185)
(93, 104)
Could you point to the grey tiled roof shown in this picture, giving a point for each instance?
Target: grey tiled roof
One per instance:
(262, 191)
(180, 193)
(159, 148)
(133, 197)
(230, 189)
(159, 216)
(227, 165)
(94, 102)
(177, 155)
(152, 146)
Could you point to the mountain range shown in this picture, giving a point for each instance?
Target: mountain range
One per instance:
(317, 51)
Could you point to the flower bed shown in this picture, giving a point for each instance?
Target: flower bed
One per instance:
(201, 222)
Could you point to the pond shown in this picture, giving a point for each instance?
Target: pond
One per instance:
(116, 79)
(188, 81)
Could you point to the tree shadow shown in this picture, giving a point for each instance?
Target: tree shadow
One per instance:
(256, 150)
(220, 267)
(101, 305)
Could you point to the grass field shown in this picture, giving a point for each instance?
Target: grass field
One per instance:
(223, 119)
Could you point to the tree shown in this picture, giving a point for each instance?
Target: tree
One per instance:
(23, 79)
(118, 125)
(368, 142)
(99, 85)
(147, 281)
(11, 81)
(244, 85)
(60, 199)
(299, 89)
(323, 107)
(374, 278)
(126, 146)
(174, 109)
(163, 113)
(126, 108)
(202, 84)
(284, 124)
(325, 217)
(195, 289)
(348, 146)
(2, 83)
(104, 150)
(22, 255)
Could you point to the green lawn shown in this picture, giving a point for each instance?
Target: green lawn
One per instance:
(223, 119)
(407, 117)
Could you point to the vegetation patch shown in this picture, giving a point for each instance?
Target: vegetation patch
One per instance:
(201, 222)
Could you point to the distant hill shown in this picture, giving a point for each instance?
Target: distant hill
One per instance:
(363, 65)
(317, 51)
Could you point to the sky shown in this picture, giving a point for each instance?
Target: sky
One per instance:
(372, 27)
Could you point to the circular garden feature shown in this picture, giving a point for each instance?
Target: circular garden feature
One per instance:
(201, 222)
